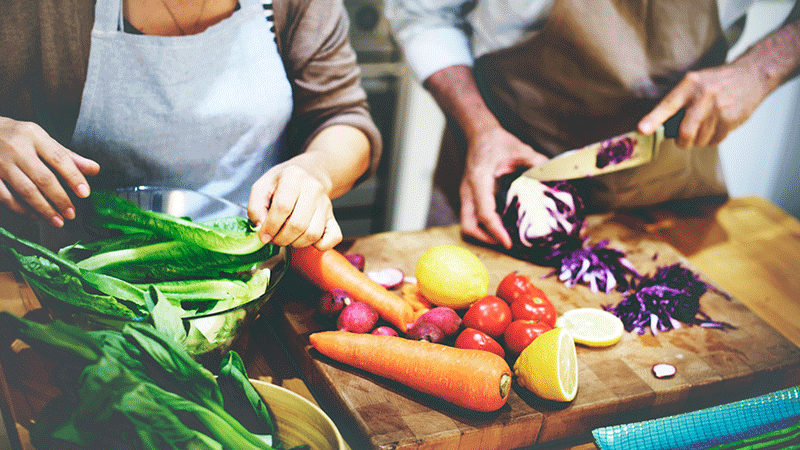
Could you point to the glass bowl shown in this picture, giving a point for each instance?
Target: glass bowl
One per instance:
(207, 333)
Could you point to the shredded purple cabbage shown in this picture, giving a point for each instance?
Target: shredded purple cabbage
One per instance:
(665, 301)
(597, 266)
(614, 152)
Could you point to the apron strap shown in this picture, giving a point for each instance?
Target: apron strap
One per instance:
(108, 16)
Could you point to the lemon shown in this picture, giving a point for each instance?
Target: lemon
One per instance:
(452, 276)
(592, 327)
(548, 366)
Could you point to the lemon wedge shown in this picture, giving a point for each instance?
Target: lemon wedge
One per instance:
(548, 367)
(452, 276)
(592, 327)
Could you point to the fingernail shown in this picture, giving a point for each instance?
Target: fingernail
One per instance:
(69, 213)
(57, 221)
(265, 238)
(82, 190)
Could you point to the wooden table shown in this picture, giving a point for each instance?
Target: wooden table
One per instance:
(747, 247)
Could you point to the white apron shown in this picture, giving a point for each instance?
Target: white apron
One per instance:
(205, 112)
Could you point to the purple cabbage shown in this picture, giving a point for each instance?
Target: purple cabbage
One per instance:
(665, 301)
(544, 220)
(601, 268)
(614, 152)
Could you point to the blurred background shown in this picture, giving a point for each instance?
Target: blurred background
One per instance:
(760, 158)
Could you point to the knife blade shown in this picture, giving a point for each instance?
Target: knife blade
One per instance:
(617, 153)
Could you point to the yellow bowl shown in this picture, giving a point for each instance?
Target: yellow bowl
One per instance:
(298, 421)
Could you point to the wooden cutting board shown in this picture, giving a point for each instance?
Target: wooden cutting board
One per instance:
(616, 384)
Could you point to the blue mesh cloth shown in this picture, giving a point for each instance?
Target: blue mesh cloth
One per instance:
(708, 427)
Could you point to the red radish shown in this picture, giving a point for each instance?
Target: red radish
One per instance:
(389, 277)
(445, 318)
(357, 317)
(423, 331)
(357, 260)
(472, 379)
(384, 331)
(333, 302)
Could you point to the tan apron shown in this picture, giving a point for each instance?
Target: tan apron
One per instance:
(595, 68)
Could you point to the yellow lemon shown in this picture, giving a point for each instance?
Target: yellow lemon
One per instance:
(452, 276)
(548, 367)
(592, 327)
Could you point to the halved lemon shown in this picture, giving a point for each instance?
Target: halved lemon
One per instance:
(548, 366)
(592, 327)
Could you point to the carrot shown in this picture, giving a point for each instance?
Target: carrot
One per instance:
(412, 295)
(472, 379)
(330, 269)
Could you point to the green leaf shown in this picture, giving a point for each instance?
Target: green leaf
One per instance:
(113, 209)
(242, 400)
(166, 316)
(57, 338)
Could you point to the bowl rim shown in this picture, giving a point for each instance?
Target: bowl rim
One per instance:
(272, 386)
(275, 275)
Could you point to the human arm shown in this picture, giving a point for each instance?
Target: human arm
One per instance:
(31, 166)
(292, 201)
(335, 141)
(719, 99)
(491, 152)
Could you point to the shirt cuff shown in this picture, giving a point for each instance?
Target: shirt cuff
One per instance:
(435, 49)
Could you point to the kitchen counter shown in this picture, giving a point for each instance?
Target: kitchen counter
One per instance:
(746, 247)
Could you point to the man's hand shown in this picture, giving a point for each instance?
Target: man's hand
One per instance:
(30, 163)
(491, 154)
(719, 99)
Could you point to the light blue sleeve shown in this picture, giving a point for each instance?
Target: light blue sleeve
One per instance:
(432, 34)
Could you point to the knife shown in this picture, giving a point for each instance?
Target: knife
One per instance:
(620, 152)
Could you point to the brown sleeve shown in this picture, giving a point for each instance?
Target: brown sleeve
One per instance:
(43, 64)
(314, 43)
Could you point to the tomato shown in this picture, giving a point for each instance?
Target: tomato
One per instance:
(490, 314)
(471, 338)
(520, 333)
(515, 285)
(538, 309)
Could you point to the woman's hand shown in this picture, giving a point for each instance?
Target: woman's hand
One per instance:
(491, 154)
(291, 205)
(292, 201)
(31, 163)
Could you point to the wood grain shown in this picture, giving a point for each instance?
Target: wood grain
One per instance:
(616, 383)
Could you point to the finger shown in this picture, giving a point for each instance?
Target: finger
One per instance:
(62, 161)
(30, 194)
(289, 214)
(314, 230)
(257, 205)
(330, 237)
(668, 107)
(486, 213)
(469, 221)
(697, 114)
(706, 132)
(8, 199)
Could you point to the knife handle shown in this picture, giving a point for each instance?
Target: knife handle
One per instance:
(672, 125)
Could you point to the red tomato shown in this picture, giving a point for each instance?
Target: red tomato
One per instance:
(537, 309)
(471, 338)
(515, 285)
(490, 314)
(520, 333)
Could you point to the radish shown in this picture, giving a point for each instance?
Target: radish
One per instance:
(389, 277)
(333, 302)
(357, 317)
(357, 260)
(445, 318)
(384, 331)
(423, 331)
